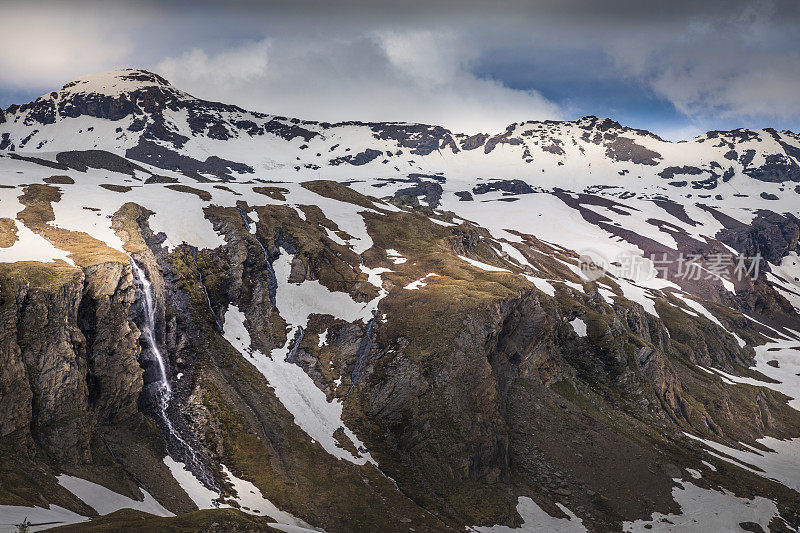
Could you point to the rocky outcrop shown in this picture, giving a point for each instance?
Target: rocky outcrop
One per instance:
(71, 349)
(508, 186)
(105, 319)
(770, 235)
(82, 160)
(432, 193)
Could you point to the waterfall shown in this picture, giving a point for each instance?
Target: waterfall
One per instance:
(148, 331)
(163, 392)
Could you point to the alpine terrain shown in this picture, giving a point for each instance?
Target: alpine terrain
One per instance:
(221, 320)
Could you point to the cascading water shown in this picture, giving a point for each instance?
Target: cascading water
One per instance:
(163, 389)
(148, 331)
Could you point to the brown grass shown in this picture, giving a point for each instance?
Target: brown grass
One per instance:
(125, 225)
(115, 188)
(276, 193)
(203, 195)
(84, 249)
(8, 232)
(59, 180)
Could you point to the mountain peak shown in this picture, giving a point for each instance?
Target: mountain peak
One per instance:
(115, 82)
(112, 95)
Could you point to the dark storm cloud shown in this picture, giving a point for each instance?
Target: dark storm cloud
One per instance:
(680, 66)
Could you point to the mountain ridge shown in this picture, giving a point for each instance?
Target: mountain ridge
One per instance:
(385, 326)
(154, 79)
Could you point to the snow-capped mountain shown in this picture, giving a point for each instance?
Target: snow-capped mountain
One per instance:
(383, 326)
(146, 119)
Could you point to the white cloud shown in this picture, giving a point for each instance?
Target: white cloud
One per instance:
(740, 64)
(752, 85)
(415, 76)
(229, 68)
(43, 49)
(428, 57)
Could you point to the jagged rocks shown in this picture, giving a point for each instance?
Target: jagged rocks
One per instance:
(770, 235)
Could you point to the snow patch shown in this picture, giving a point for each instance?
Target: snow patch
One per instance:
(704, 510)
(414, 285)
(483, 266)
(106, 501)
(782, 464)
(542, 285)
(579, 326)
(297, 301)
(395, 257)
(15, 514)
(251, 501)
(536, 520)
(202, 496)
(297, 391)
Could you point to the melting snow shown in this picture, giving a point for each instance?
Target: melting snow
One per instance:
(700, 309)
(297, 391)
(253, 502)
(199, 493)
(297, 301)
(704, 510)
(414, 285)
(106, 501)
(395, 257)
(483, 266)
(536, 520)
(248, 496)
(14, 514)
(782, 464)
(694, 473)
(786, 278)
(787, 374)
(638, 294)
(542, 285)
(32, 247)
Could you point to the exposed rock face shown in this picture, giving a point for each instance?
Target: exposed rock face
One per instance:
(420, 138)
(104, 317)
(45, 366)
(626, 149)
(359, 159)
(430, 190)
(770, 235)
(71, 349)
(81, 161)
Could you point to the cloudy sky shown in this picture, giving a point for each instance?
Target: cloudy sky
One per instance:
(472, 65)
